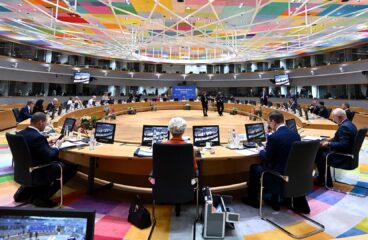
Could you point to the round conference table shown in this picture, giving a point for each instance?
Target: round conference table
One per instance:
(223, 170)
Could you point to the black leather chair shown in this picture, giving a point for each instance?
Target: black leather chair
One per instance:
(353, 164)
(298, 181)
(23, 166)
(16, 114)
(175, 179)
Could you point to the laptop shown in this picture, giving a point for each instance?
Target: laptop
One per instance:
(290, 123)
(255, 133)
(105, 132)
(203, 134)
(154, 133)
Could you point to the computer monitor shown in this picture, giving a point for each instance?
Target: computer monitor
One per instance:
(203, 134)
(105, 132)
(68, 123)
(42, 223)
(255, 132)
(290, 123)
(154, 132)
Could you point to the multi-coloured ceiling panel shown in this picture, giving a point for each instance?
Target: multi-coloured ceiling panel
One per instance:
(186, 31)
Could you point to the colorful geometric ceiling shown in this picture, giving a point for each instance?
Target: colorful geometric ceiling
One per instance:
(186, 31)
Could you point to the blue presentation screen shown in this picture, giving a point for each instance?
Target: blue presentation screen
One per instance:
(189, 92)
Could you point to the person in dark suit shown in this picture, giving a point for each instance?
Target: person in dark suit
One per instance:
(51, 107)
(314, 108)
(274, 157)
(220, 103)
(323, 112)
(44, 151)
(25, 112)
(342, 142)
(38, 107)
(264, 97)
(204, 101)
(349, 114)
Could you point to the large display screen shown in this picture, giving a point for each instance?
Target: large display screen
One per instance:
(81, 77)
(203, 134)
(155, 134)
(282, 79)
(105, 132)
(184, 92)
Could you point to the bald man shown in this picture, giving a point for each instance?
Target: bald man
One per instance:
(342, 142)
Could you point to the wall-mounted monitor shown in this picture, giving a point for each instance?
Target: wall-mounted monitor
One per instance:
(282, 80)
(81, 77)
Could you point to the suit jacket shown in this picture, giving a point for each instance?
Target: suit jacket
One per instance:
(323, 112)
(204, 100)
(220, 100)
(264, 98)
(24, 113)
(343, 140)
(40, 149)
(50, 107)
(349, 114)
(277, 150)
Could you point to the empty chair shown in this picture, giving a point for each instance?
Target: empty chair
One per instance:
(173, 171)
(298, 180)
(352, 160)
(23, 165)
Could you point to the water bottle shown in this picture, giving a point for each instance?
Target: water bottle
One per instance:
(92, 141)
(79, 136)
(233, 136)
(229, 138)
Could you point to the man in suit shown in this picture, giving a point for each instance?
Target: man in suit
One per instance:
(51, 107)
(264, 97)
(43, 151)
(349, 114)
(342, 142)
(25, 112)
(314, 108)
(323, 112)
(220, 103)
(204, 101)
(274, 157)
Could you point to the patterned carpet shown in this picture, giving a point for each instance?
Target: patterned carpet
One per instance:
(343, 215)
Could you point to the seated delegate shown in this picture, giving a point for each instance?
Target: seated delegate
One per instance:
(177, 128)
(43, 152)
(25, 112)
(274, 157)
(342, 142)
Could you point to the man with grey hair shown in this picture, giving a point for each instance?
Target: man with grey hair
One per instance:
(25, 112)
(342, 142)
(43, 151)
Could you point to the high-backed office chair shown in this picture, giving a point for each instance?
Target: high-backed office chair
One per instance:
(298, 181)
(175, 179)
(329, 110)
(16, 114)
(23, 166)
(353, 162)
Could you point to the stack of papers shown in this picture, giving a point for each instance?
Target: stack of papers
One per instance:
(143, 152)
(311, 138)
(248, 151)
(68, 144)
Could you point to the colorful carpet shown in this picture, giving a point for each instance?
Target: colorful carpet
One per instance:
(343, 215)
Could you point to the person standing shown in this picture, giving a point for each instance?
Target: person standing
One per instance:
(264, 97)
(220, 103)
(204, 101)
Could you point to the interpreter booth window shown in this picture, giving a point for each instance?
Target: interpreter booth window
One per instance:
(4, 85)
(56, 89)
(38, 89)
(20, 88)
(98, 90)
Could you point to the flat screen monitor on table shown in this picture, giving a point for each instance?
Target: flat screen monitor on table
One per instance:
(41, 223)
(105, 132)
(68, 124)
(154, 133)
(290, 123)
(255, 132)
(203, 134)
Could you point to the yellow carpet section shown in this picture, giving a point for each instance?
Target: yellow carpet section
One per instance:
(297, 228)
(162, 229)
